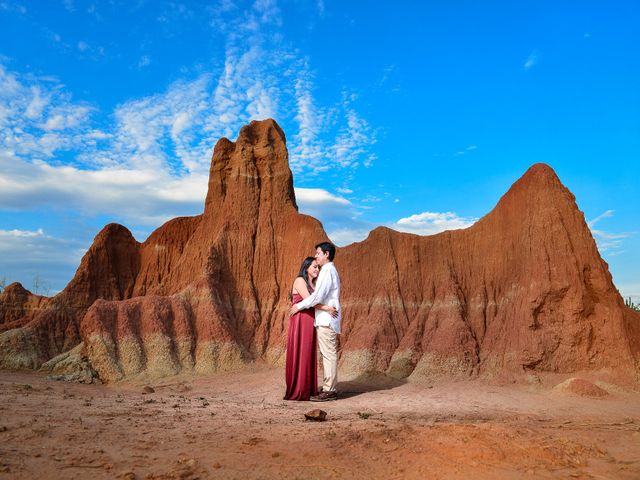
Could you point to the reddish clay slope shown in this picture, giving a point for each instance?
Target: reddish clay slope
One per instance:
(523, 289)
(18, 305)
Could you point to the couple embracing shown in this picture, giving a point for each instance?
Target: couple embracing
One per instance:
(314, 320)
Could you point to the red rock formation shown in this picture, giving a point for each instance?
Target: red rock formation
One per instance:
(107, 270)
(216, 285)
(524, 289)
(18, 306)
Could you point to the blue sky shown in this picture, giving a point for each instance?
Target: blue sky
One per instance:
(414, 115)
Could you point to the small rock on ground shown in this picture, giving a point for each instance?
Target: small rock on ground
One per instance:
(316, 415)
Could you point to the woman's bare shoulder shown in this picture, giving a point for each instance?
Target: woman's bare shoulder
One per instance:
(300, 286)
(297, 284)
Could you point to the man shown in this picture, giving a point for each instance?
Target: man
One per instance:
(327, 292)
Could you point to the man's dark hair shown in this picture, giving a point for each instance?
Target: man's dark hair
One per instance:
(327, 247)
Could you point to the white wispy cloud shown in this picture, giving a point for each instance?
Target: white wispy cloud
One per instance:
(37, 117)
(429, 223)
(531, 61)
(15, 233)
(307, 148)
(166, 131)
(89, 51)
(606, 214)
(608, 242)
(158, 151)
(140, 196)
(355, 229)
(348, 235)
(386, 74)
(332, 210)
(353, 142)
(148, 159)
(318, 196)
(263, 76)
(464, 151)
(175, 11)
(13, 7)
(144, 61)
(329, 137)
(339, 216)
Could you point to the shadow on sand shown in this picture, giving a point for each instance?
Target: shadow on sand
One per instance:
(365, 383)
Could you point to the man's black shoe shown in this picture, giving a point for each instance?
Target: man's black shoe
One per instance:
(325, 397)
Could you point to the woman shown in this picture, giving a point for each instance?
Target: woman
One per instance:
(300, 371)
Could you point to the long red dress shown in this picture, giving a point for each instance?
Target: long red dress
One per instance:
(300, 371)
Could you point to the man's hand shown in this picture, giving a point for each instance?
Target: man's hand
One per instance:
(293, 310)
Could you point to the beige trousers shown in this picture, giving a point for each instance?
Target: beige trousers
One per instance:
(328, 343)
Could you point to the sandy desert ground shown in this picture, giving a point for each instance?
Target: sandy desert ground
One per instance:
(237, 426)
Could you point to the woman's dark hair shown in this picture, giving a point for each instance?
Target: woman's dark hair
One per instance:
(306, 263)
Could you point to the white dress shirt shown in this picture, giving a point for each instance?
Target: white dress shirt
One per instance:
(327, 292)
